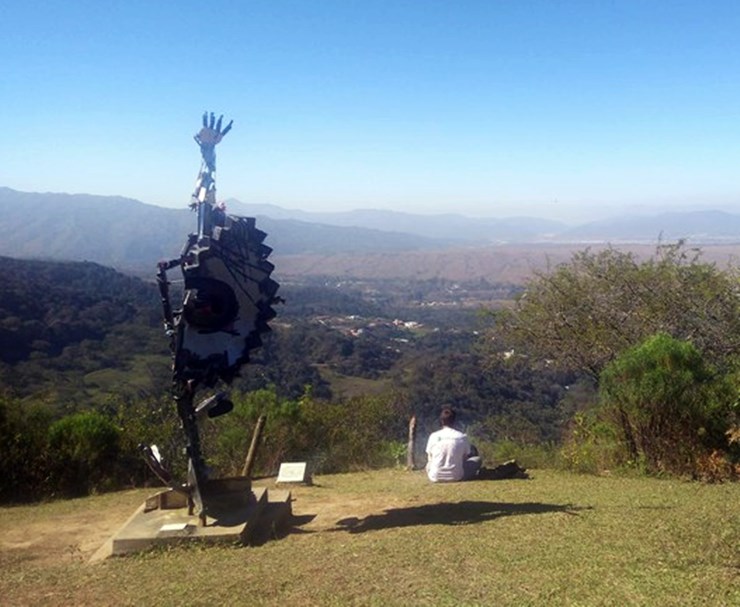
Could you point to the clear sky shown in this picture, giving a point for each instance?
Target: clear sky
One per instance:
(494, 108)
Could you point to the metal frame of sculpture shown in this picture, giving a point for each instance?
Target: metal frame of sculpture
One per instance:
(227, 303)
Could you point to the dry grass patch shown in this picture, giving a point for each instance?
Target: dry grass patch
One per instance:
(391, 538)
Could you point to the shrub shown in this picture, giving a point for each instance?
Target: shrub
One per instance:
(581, 315)
(148, 421)
(716, 467)
(23, 449)
(359, 433)
(84, 449)
(228, 438)
(670, 407)
(592, 444)
(355, 434)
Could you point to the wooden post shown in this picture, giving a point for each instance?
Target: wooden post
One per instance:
(249, 462)
(411, 447)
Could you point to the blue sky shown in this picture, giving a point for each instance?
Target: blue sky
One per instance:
(571, 110)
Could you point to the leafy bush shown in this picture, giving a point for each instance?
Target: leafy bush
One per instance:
(359, 433)
(84, 449)
(355, 434)
(395, 451)
(23, 449)
(147, 421)
(669, 405)
(228, 438)
(716, 466)
(592, 444)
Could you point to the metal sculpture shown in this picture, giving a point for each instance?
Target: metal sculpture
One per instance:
(227, 303)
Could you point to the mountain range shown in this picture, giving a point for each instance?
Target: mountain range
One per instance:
(129, 234)
(700, 227)
(444, 227)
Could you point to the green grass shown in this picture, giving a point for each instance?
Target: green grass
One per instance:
(347, 386)
(391, 538)
(142, 374)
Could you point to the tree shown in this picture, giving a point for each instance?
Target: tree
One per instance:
(670, 404)
(581, 315)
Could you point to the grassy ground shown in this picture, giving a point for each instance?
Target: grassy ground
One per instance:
(391, 538)
(346, 386)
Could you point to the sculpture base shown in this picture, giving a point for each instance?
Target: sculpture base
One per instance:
(237, 513)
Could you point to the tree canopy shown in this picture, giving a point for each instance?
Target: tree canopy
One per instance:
(580, 315)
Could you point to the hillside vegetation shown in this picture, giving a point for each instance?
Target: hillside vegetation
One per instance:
(62, 322)
(606, 363)
(659, 340)
(85, 378)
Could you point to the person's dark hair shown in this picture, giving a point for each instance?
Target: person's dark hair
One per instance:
(447, 417)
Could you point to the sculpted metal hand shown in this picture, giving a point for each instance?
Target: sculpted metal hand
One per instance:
(204, 196)
(209, 136)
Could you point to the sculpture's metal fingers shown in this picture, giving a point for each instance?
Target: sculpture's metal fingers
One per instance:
(218, 123)
(205, 119)
(212, 121)
(227, 129)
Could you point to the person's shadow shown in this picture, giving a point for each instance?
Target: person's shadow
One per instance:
(460, 513)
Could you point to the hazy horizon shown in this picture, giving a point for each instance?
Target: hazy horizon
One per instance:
(574, 215)
(574, 111)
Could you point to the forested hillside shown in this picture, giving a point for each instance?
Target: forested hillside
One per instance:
(63, 322)
(48, 306)
(78, 334)
(84, 358)
(348, 361)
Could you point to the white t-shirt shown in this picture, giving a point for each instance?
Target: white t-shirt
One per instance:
(446, 450)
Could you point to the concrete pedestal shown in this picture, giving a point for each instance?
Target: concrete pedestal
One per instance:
(236, 514)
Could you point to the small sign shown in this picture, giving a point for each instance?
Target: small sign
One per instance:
(293, 472)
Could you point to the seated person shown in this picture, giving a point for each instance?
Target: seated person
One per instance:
(450, 457)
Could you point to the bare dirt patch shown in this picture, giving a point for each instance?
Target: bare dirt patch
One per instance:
(74, 532)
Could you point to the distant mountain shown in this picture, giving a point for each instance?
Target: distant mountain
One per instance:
(127, 233)
(131, 235)
(448, 227)
(701, 227)
(105, 229)
(290, 237)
